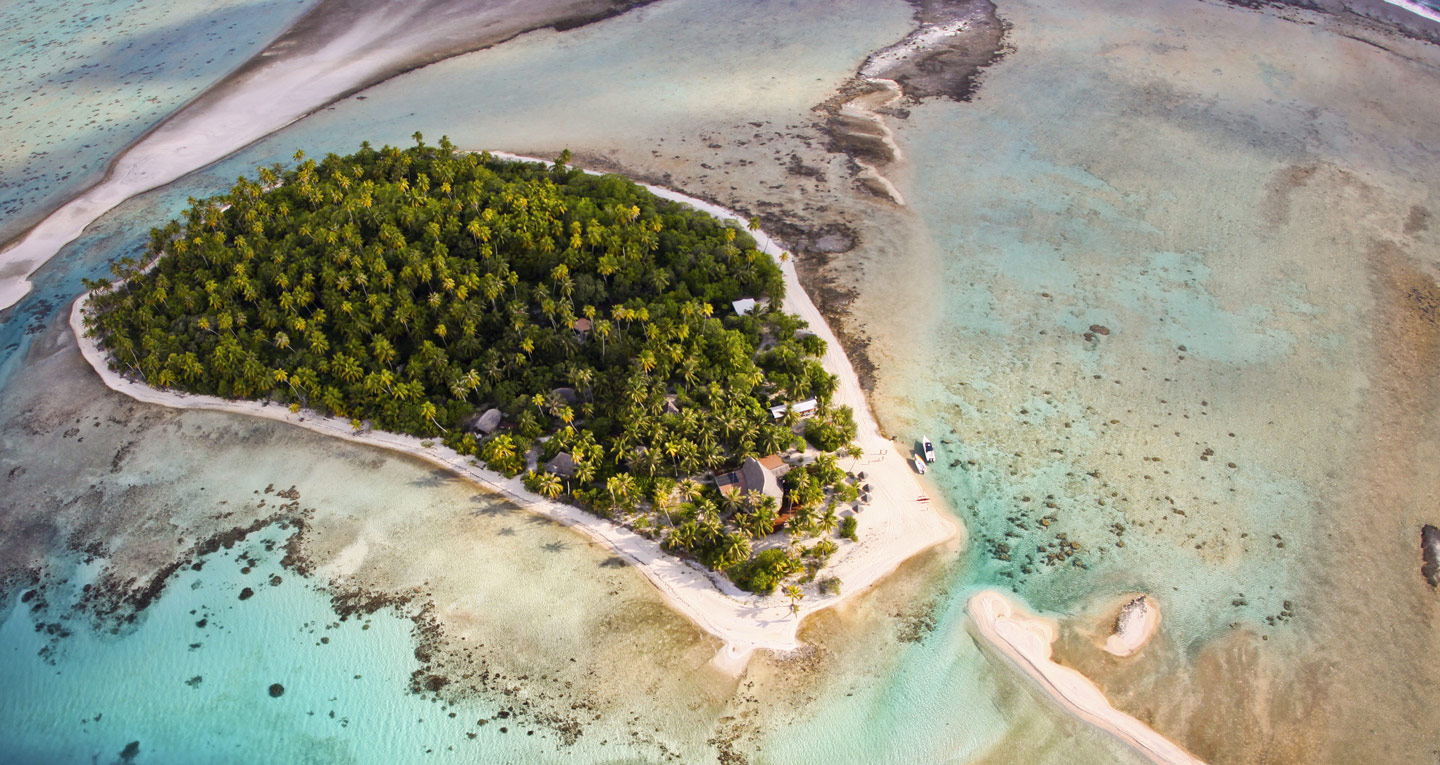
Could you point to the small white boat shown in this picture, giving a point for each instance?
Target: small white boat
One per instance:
(919, 464)
(929, 449)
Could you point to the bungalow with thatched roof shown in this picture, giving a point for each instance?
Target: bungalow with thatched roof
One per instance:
(483, 424)
(562, 465)
(759, 476)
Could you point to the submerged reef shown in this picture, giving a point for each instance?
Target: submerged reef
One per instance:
(1430, 550)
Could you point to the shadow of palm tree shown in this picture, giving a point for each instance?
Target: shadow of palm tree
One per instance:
(555, 547)
(490, 506)
(506, 532)
(435, 479)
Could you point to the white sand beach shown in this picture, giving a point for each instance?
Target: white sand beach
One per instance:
(900, 522)
(1024, 639)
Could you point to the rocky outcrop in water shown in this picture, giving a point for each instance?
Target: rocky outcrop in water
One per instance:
(1131, 616)
(1135, 624)
(953, 41)
(1430, 550)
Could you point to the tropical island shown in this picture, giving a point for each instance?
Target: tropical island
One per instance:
(624, 353)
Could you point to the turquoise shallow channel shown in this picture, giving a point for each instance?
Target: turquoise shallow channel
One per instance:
(1229, 194)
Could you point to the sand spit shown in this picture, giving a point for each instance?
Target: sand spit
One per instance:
(338, 48)
(1024, 639)
(859, 130)
(1135, 624)
(900, 522)
(944, 56)
(952, 42)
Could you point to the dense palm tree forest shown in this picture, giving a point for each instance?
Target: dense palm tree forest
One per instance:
(414, 288)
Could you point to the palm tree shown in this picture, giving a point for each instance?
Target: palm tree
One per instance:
(549, 484)
(735, 550)
(773, 440)
(621, 487)
(795, 594)
(427, 411)
(829, 520)
(759, 522)
(581, 378)
(690, 489)
(584, 471)
(662, 497)
(684, 536)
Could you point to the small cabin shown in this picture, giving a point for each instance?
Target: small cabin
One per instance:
(755, 475)
(483, 424)
(806, 408)
(744, 306)
(562, 465)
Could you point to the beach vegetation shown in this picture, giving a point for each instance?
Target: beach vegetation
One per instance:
(415, 289)
(832, 430)
(764, 572)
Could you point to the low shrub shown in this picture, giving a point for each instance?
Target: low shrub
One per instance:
(764, 572)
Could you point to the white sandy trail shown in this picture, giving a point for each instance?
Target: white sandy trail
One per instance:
(1025, 640)
(282, 85)
(896, 526)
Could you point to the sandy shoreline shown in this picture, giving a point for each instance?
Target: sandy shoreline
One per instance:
(899, 523)
(1024, 639)
(323, 58)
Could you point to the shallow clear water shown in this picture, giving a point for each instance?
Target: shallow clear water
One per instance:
(619, 64)
(1213, 210)
(83, 80)
(1149, 212)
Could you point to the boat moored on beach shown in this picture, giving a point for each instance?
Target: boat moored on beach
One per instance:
(928, 448)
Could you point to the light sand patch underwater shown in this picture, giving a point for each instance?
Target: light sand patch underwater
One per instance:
(1165, 233)
(1230, 211)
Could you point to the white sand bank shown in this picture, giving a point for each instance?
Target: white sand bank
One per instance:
(1135, 624)
(1417, 9)
(282, 84)
(898, 524)
(1024, 639)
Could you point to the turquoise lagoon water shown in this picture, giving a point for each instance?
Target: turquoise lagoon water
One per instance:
(944, 699)
(1018, 198)
(179, 688)
(191, 683)
(83, 80)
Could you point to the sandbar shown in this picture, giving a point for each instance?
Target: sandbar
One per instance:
(1135, 624)
(331, 52)
(1024, 639)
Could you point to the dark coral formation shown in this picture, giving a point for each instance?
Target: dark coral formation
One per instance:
(1430, 551)
(952, 70)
